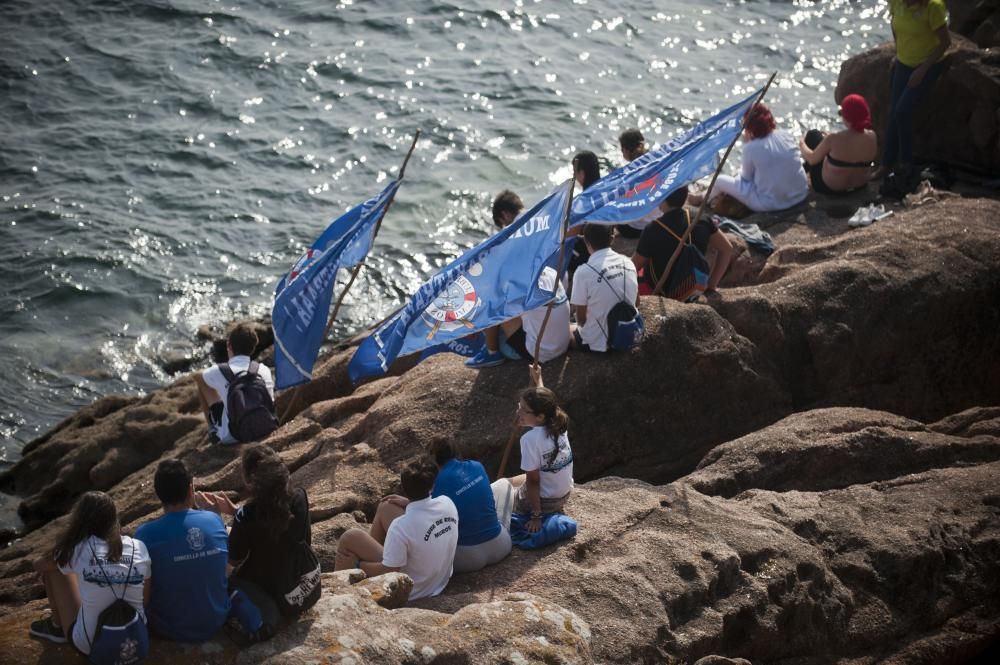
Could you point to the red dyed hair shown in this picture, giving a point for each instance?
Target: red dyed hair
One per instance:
(854, 109)
(760, 122)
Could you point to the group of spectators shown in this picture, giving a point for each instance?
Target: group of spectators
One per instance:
(184, 573)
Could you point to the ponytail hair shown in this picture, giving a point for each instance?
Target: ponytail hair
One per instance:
(542, 402)
(94, 514)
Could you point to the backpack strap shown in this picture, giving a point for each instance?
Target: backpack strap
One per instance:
(227, 372)
(252, 369)
(652, 271)
(111, 587)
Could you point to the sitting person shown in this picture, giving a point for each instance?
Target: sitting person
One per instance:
(257, 419)
(483, 538)
(521, 332)
(772, 177)
(598, 285)
(855, 147)
(189, 601)
(586, 171)
(546, 458)
(419, 540)
(659, 241)
(633, 146)
(266, 532)
(90, 567)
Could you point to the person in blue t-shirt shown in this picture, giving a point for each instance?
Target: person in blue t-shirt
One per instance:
(189, 551)
(483, 537)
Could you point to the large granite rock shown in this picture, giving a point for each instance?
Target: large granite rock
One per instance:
(959, 121)
(979, 20)
(815, 534)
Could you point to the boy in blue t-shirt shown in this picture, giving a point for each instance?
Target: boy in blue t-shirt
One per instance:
(189, 550)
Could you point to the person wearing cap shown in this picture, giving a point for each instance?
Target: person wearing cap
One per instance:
(839, 162)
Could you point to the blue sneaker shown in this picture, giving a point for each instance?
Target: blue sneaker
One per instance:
(485, 358)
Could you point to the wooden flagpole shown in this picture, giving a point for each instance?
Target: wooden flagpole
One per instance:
(538, 340)
(687, 233)
(354, 274)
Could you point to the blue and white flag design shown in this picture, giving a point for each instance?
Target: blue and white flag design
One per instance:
(302, 297)
(492, 282)
(633, 191)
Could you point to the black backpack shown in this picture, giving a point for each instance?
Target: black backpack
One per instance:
(298, 581)
(249, 404)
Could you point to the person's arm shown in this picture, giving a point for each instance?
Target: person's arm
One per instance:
(533, 488)
(147, 591)
(748, 167)
(373, 568)
(723, 255)
(396, 500)
(944, 41)
(816, 156)
(217, 502)
(581, 314)
(639, 261)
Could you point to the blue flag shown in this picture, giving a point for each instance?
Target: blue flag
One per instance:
(302, 297)
(492, 282)
(633, 191)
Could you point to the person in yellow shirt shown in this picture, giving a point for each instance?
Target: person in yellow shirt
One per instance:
(920, 29)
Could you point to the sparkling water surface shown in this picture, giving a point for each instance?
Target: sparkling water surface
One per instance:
(163, 162)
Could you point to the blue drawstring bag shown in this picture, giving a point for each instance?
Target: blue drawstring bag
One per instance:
(121, 636)
(555, 527)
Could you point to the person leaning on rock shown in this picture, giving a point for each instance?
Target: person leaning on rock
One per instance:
(254, 418)
(418, 540)
(189, 599)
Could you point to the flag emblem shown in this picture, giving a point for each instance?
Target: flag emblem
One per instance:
(452, 308)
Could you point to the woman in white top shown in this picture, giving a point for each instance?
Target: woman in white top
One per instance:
(772, 177)
(546, 458)
(90, 547)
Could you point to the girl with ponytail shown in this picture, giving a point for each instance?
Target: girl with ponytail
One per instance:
(546, 458)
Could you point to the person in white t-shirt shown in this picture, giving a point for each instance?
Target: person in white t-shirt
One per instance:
(213, 386)
(418, 540)
(546, 458)
(521, 332)
(605, 280)
(90, 553)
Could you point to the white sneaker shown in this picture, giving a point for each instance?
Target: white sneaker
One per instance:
(861, 217)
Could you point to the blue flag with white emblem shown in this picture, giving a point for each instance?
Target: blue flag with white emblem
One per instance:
(302, 297)
(492, 282)
(633, 192)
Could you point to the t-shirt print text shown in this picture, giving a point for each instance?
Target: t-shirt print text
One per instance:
(438, 534)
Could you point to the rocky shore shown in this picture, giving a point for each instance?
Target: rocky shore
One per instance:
(800, 470)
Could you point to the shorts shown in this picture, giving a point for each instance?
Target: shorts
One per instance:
(549, 504)
(519, 342)
(578, 339)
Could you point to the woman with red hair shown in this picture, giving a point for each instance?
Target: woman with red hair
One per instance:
(772, 177)
(839, 163)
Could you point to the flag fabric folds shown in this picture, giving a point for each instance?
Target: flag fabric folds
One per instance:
(302, 296)
(492, 282)
(632, 192)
